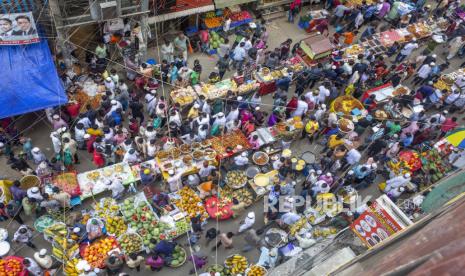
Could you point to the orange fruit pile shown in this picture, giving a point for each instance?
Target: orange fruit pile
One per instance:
(10, 267)
(96, 253)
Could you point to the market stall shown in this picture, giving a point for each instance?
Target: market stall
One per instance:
(315, 48)
(183, 96)
(229, 144)
(386, 92)
(448, 81)
(347, 105)
(217, 90)
(291, 128)
(214, 21)
(92, 182)
(188, 158)
(189, 202)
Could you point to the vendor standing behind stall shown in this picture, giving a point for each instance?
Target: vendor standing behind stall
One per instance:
(94, 228)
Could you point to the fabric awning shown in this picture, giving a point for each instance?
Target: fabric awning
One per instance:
(219, 4)
(173, 15)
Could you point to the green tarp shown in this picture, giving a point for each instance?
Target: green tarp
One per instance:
(446, 190)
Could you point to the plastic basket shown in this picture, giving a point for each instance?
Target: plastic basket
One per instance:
(29, 181)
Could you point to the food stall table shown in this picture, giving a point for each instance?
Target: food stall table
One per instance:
(261, 183)
(235, 140)
(385, 92)
(388, 38)
(91, 182)
(265, 136)
(187, 157)
(152, 164)
(184, 96)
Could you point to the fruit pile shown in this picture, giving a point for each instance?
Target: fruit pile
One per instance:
(115, 225)
(181, 227)
(213, 22)
(130, 243)
(70, 267)
(240, 16)
(64, 249)
(11, 266)
(106, 206)
(96, 253)
(223, 271)
(242, 194)
(256, 270)
(139, 215)
(215, 40)
(179, 257)
(237, 263)
(236, 179)
(57, 232)
(191, 203)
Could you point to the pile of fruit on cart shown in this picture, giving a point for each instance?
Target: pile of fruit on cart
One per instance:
(236, 263)
(96, 253)
(190, 203)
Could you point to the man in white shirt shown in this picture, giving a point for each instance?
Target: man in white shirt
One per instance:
(239, 55)
(151, 101)
(302, 108)
(423, 73)
(109, 84)
(116, 187)
(241, 161)
(406, 51)
(322, 94)
(206, 170)
(233, 115)
(220, 120)
(352, 157)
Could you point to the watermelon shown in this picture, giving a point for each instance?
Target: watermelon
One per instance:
(174, 262)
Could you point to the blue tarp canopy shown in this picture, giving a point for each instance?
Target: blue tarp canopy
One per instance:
(29, 80)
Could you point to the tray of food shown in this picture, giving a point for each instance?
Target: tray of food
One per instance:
(260, 158)
(236, 179)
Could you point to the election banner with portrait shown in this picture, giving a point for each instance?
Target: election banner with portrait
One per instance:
(18, 29)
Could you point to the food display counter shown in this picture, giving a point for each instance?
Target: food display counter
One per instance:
(217, 90)
(386, 92)
(184, 96)
(188, 158)
(92, 182)
(229, 144)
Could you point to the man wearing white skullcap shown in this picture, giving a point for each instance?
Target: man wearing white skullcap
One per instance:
(44, 260)
(247, 223)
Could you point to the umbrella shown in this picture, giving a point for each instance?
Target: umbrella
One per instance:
(457, 138)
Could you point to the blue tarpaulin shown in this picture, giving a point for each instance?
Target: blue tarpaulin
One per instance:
(29, 79)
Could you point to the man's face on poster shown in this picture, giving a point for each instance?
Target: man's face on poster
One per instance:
(23, 24)
(5, 26)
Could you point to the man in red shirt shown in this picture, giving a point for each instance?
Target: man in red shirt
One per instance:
(448, 125)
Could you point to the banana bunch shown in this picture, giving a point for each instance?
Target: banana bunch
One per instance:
(56, 230)
(64, 249)
(70, 267)
(297, 226)
(237, 264)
